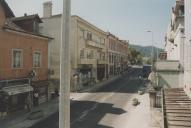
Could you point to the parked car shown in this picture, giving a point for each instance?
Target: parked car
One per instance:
(146, 70)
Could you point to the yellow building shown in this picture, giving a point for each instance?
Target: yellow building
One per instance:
(88, 53)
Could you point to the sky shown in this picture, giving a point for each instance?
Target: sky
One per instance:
(127, 19)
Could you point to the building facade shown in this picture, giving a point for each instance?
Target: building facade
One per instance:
(23, 60)
(174, 49)
(187, 52)
(174, 45)
(117, 55)
(88, 49)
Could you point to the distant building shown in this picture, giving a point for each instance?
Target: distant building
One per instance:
(23, 55)
(118, 55)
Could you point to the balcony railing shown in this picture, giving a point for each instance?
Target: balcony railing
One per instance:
(95, 44)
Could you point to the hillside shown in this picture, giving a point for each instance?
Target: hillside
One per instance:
(146, 50)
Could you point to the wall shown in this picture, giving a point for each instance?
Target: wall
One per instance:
(52, 28)
(169, 79)
(29, 44)
(170, 74)
(187, 55)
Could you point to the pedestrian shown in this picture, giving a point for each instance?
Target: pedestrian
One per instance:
(4, 107)
(1, 106)
(36, 96)
(56, 92)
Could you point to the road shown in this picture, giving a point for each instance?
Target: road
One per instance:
(108, 107)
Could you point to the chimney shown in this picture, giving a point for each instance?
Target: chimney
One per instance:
(47, 9)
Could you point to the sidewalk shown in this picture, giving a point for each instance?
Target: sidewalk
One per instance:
(20, 119)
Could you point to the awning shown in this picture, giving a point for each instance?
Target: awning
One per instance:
(17, 89)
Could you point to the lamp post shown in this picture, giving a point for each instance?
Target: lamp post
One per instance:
(157, 53)
(152, 51)
(64, 101)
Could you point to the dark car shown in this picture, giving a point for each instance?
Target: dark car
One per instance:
(146, 71)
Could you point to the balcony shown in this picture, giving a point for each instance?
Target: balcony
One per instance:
(95, 44)
(102, 62)
(86, 61)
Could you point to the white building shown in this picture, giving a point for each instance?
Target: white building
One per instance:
(171, 71)
(187, 55)
(175, 34)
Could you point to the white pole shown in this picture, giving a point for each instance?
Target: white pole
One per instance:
(157, 52)
(64, 102)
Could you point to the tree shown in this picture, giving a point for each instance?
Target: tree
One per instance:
(135, 57)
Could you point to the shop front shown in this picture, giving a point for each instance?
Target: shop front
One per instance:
(40, 94)
(16, 98)
(101, 72)
(85, 75)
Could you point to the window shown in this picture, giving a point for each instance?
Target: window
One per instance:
(17, 58)
(102, 41)
(81, 33)
(89, 35)
(36, 59)
(82, 54)
(36, 27)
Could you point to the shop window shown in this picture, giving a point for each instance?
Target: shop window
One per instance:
(82, 31)
(17, 61)
(82, 54)
(89, 36)
(36, 59)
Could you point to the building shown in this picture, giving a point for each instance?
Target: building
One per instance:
(175, 34)
(118, 55)
(23, 60)
(88, 49)
(187, 52)
(171, 69)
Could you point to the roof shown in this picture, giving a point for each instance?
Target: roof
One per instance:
(8, 12)
(10, 19)
(25, 32)
(27, 17)
(11, 24)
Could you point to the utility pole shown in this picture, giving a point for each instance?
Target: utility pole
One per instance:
(64, 102)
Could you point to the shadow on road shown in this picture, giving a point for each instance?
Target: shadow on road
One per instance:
(124, 84)
(84, 114)
(87, 114)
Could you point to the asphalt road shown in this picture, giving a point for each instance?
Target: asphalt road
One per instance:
(108, 107)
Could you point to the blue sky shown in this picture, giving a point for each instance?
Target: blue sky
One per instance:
(127, 19)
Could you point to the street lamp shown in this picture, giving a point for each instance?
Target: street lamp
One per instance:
(152, 51)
